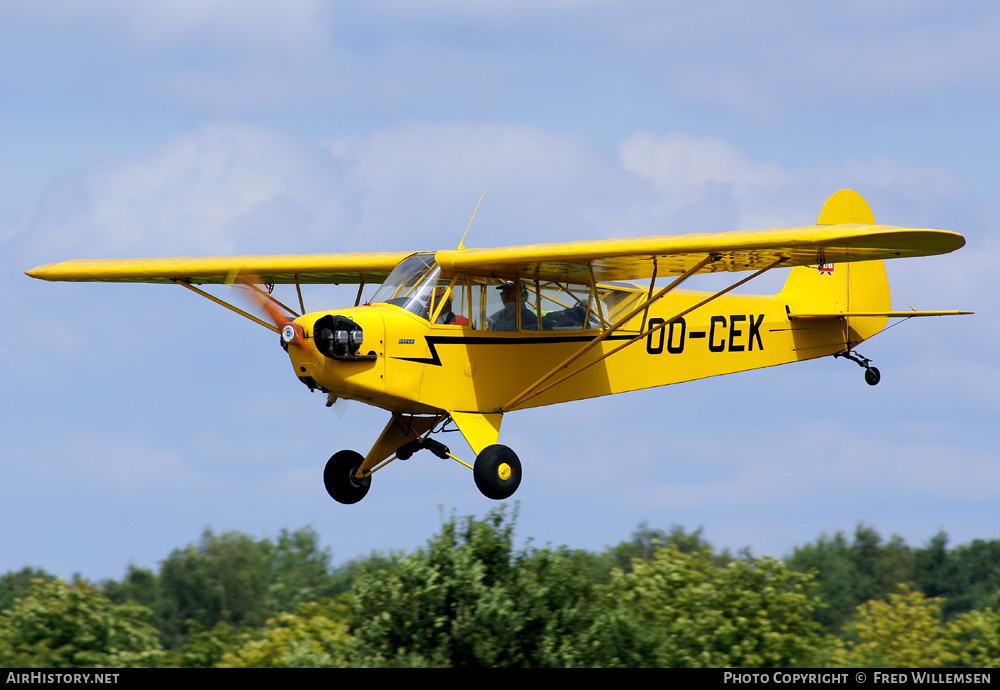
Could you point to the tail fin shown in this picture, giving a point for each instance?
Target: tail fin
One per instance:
(833, 290)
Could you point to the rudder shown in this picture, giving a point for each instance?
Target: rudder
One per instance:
(838, 289)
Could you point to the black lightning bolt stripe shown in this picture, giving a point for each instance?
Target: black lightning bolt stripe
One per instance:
(434, 340)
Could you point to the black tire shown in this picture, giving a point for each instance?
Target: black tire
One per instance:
(497, 472)
(338, 477)
(872, 376)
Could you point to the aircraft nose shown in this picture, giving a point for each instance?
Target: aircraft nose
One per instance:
(341, 338)
(292, 334)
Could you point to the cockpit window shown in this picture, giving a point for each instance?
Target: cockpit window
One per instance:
(491, 304)
(410, 284)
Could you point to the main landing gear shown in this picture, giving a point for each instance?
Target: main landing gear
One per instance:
(872, 375)
(340, 480)
(497, 470)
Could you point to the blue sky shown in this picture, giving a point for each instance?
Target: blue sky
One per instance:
(136, 416)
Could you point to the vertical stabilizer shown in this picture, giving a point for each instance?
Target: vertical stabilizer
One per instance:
(835, 289)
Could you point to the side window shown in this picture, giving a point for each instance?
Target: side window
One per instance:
(571, 307)
(493, 308)
(510, 305)
(451, 308)
(491, 304)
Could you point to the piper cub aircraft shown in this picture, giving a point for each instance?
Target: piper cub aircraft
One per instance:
(457, 338)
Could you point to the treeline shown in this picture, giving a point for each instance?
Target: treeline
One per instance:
(470, 598)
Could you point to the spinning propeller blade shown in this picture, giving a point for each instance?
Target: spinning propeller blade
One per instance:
(277, 313)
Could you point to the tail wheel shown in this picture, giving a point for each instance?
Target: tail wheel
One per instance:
(497, 472)
(339, 477)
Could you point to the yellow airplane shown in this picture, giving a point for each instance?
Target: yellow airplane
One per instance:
(460, 337)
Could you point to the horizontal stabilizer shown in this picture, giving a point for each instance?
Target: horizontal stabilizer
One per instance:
(889, 314)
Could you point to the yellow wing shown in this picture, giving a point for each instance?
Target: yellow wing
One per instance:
(846, 232)
(633, 259)
(619, 259)
(369, 267)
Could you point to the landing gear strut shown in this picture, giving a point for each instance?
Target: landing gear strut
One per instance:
(872, 375)
(497, 470)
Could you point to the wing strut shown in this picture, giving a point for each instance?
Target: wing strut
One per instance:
(227, 305)
(298, 291)
(268, 296)
(361, 286)
(535, 389)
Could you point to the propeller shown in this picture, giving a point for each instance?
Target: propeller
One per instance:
(280, 316)
(283, 319)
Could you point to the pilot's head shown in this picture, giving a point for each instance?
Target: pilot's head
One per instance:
(508, 292)
(439, 295)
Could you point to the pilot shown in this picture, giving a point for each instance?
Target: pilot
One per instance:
(447, 316)
(506, 318)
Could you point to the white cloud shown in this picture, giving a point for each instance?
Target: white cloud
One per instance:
(234, 188)
(686, 170)
(682, 167)
(221, 189)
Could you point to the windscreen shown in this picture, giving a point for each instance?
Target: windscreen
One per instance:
(410, 284)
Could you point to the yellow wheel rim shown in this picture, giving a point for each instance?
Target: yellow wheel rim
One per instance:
(503, 471)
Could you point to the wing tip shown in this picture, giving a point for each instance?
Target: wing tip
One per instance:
(39, 272)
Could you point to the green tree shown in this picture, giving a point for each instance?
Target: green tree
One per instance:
(315, 635)
(139, 586)
(206, 648)
(680, 610)
(374, 565)
(903, 632)
(851, 573)
(57, 625)
(645, 540)
(974, 637)
(225, 578)
(15, 584)
(230, 578)
(468, 599)
(442, 606)
(965, 578)
(301, 570)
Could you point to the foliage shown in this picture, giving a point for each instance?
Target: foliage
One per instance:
(851, 573)
(438, 607)
(234, 579)
(903, 632)
(139, 586)
(680, 610)
(966, 577)
(300, 570)
(646, 540)
(206, 648)
(15, 585)
(374, 565)
(469, 600)
(223, 579)
(315, 635)
(974, 638)
(57, 625)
